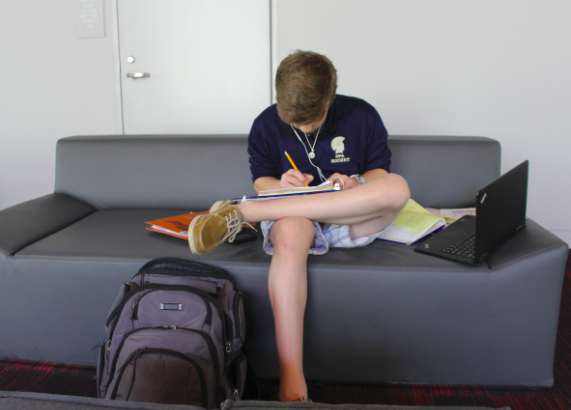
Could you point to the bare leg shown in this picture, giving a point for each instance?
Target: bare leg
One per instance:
(287, 283)
(368, 208)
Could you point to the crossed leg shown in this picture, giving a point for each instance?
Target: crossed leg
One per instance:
(369, 208)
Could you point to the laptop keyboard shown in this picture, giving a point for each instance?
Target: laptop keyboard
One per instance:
(465, 247)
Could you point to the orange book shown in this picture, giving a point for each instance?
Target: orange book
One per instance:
(176, 226)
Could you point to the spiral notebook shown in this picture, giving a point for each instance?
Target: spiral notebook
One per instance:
(326, 186)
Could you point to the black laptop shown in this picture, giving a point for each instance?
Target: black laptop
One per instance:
(500, 214)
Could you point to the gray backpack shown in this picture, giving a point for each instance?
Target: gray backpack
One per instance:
(176, 335)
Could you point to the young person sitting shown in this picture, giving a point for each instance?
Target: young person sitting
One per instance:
(329, 137)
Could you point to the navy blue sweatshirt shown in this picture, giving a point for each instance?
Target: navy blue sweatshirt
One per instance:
(363, 142)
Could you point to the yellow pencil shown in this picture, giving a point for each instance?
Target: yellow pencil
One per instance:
(291, 162)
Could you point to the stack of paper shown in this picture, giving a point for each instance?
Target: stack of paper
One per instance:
(452, 214)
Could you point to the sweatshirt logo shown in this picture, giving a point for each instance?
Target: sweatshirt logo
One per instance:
(338, 147)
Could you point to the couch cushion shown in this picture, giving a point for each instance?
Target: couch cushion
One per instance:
(153, 171)
(445, 171)
(184, 171)
(120, 235)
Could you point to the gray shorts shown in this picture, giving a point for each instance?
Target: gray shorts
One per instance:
(326, 236)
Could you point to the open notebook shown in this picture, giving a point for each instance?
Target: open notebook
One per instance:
(412, 224)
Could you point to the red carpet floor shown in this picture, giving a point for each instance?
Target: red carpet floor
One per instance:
(54, 378)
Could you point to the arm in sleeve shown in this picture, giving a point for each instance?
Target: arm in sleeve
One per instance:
(261, 156)
(378, 152)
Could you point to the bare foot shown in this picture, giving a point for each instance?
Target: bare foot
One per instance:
(292, 389)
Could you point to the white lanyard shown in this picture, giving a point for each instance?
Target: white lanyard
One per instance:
(311, 154)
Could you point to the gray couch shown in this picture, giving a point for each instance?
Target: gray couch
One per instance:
(382, 313)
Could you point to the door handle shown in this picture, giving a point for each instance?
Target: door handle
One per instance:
(133, 75)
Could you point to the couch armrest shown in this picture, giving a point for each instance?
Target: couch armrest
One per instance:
(28, 222)
(527, 246)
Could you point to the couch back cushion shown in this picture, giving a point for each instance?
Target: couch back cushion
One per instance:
(192, 171)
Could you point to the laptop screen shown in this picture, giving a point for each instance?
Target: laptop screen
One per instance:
(501, 209)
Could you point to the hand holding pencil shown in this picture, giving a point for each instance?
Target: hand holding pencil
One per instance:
(294, 177)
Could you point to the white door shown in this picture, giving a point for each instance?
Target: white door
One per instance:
(208, 61)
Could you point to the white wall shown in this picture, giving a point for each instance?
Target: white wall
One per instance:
(493, 68)
(52, 85)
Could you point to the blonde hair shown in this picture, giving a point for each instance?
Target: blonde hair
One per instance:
(306, 83)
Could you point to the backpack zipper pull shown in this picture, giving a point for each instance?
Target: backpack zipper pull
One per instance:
(129, 286)
(135, 315)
